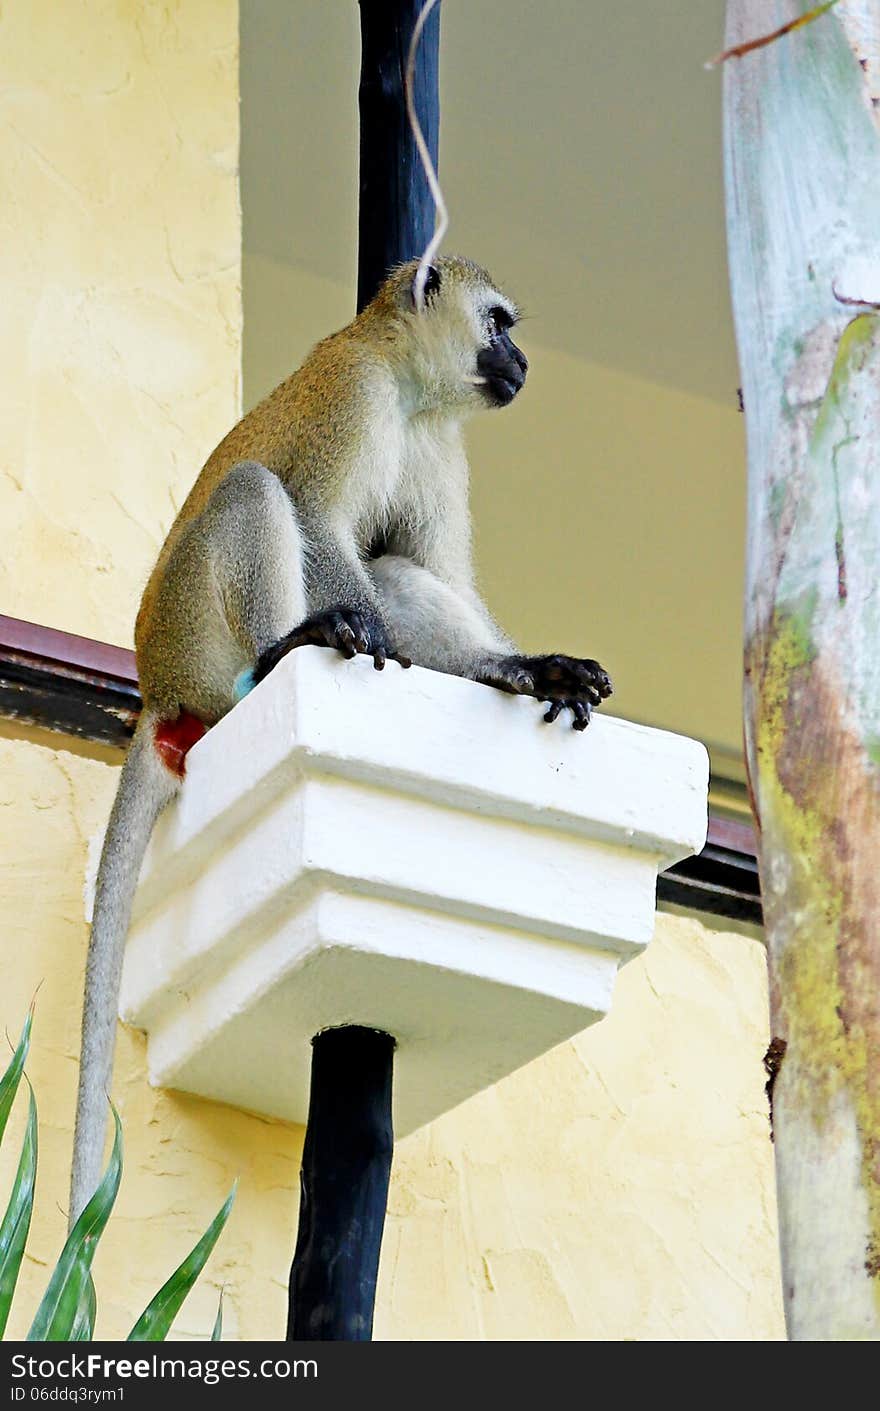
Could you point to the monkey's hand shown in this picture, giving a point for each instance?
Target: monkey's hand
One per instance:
(575, 682)
(350, 632)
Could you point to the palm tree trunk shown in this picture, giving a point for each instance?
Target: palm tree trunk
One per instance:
(802, 157)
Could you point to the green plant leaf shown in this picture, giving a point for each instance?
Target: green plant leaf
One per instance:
(60, 1310)
(155, 1321)
(17, 1220)
(11, 1078)
(217, 1334)
(84, 1322)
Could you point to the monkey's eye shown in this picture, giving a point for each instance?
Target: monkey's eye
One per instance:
(497, 320)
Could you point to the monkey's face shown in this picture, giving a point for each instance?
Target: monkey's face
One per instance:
(458, 338)
(501, 364)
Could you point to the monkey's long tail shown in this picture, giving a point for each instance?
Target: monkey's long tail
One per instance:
(146, 785)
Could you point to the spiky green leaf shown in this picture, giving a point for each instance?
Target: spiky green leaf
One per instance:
(155, 1322)
(17, 1220)
(60, 1310)
(217, 1334)
(12, 1077)
(84, 1323)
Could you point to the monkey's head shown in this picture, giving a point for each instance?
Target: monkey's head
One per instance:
(457, 346)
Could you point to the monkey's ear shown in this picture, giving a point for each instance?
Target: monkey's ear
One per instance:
(432, 283)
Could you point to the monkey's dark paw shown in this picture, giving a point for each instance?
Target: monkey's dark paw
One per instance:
(562, 681)
(344, 629)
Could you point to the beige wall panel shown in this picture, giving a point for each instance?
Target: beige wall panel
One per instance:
(608, 510)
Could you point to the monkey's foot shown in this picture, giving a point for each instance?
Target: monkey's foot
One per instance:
(560, 681)
(349, 632)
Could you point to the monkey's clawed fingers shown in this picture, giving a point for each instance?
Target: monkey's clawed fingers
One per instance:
(343, 629)
(562, 677)
(581, 710)
(575, 683)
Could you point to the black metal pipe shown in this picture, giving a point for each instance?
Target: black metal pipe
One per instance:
(396, 212)
(346, 1167)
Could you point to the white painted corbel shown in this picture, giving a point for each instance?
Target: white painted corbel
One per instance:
(407, 851)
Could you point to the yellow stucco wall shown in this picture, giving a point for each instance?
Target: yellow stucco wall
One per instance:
(120, 257)
(182, 1155)
(620, 1187)
(120, 241)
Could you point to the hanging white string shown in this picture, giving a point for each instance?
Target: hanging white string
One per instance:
(441, 217)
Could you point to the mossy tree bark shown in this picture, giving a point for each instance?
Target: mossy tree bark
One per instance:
(802, 155)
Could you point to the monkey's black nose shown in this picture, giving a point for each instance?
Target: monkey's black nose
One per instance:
(504, 368)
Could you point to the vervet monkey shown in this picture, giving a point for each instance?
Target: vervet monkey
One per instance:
(334, 513)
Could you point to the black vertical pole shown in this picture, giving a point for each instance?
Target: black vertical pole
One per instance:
(396, 213)
(343, 1187)
(349, 1138)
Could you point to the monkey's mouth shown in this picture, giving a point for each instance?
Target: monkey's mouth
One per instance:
(500, 390)
(504, 374)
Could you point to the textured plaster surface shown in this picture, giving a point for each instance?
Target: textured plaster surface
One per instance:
(120, 271)
(181, 1155)
(620, 1187)
(120, 353)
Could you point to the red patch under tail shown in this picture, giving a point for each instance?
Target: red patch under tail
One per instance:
(175, 738)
